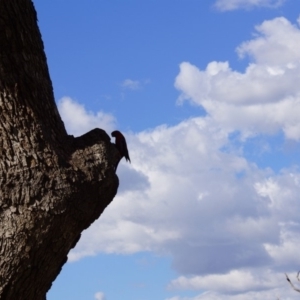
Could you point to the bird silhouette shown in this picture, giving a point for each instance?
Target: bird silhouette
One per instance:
(121, 145)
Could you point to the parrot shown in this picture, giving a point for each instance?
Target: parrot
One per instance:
(121, 144)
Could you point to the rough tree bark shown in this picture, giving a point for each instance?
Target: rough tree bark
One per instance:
(53, 186)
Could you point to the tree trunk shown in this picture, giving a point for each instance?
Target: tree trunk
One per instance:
(53, 186)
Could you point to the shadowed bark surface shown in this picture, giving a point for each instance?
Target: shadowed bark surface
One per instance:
(53, 186)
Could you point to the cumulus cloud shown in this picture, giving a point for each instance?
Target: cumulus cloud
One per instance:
(236, 281)
(276, 45)
(276, 293)
(100, 296)
(197, 208)
(225, 5)
(263, 99)
(79, 121)
(231, 228)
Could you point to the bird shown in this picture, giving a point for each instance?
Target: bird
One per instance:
(121, 145)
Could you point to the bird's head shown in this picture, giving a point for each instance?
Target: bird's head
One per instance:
(116, 133)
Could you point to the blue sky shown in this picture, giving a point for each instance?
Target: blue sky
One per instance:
(207, 94)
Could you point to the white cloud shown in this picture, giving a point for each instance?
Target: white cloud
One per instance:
(286, 253)
(195, 207)
(275, 45)
(131, 84)
(189, 203)
(263, 99)
(134, 84)
(277, 293)
(225, 5)
(236, 281)
(100, 296)
(237, 285)
(230, 227)
(79, 121)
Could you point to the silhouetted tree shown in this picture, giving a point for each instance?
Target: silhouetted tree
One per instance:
(291, 284)
(53, 186)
